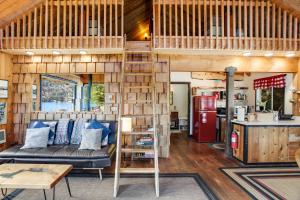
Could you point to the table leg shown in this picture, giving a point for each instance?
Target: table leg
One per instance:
(100, 174)
(68, 185)
(45, 197)
(53, 193)
(4, 192)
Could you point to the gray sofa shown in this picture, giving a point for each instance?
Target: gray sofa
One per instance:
(64, 154)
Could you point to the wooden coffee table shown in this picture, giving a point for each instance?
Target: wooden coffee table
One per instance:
(33, 176)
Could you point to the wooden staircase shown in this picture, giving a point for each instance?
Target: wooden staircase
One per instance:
(138, 62)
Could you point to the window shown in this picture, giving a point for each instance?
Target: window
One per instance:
(57, 94)
(92, 98)
(270, 99)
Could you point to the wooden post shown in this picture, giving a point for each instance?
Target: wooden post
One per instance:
(229, 107)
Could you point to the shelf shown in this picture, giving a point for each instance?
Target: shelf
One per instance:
(220, 88)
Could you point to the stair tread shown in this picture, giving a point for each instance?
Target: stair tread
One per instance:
(144, 115)
(137, 170)
(139, 133)
(138, 62)
(137, 150)
(138, 87)
(138, 73)
(138, 101)
(137, 51)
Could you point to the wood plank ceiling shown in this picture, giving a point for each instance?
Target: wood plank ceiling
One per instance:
(292, 5)
(10, 9)
(137, 14)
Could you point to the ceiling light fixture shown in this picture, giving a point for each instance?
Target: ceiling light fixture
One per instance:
(247, 53)
(56, 52)
(30, 53)
(82, 52)
(290, 54)
(269, 54)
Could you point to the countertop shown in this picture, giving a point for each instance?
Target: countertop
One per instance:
(221, 115)
(295, 122)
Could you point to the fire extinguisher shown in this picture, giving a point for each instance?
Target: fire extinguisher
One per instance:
(234, 140)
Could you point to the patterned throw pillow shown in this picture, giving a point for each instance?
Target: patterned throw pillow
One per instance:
(77, 131)
(62, 132)
(43, 124)
(94, 124)
(90, 139)
(36, 138)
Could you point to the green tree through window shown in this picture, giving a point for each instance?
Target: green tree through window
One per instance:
(97, 96)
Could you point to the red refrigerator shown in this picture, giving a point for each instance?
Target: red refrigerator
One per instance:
(204, 118)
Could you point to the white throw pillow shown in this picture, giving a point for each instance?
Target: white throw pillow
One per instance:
(36, 138)
(90, 139)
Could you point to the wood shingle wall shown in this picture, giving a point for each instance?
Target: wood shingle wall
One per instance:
(27, 69)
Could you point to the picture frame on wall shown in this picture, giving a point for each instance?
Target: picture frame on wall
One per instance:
(3, 89)
(2, 136)
(34, 92)
(3, 113)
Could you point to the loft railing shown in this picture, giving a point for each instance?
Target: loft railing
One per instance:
(224, 24)
(67, 24)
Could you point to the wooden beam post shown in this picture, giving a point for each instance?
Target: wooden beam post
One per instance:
(229, 107)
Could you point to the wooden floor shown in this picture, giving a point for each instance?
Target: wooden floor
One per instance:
(187, 156)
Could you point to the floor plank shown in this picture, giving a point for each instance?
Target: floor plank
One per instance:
(188, 156)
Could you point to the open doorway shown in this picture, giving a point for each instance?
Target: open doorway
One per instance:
(180, 107)
(137, 18)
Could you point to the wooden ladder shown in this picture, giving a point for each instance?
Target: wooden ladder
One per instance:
(132, 49)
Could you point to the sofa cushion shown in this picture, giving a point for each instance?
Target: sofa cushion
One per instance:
(43, 124)
(113, 132)
(56, 152)
(61, 136)
(77, 131)
(94, 124)
(36, 138)
(91, 139)
(70, 129)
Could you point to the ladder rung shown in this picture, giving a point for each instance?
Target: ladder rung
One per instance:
(132, 150)
(137, 101)
(137, 52)
(138, 62)
(137, 170)
(138, 87)
(137, 116)
(138, 74)
(139, 133)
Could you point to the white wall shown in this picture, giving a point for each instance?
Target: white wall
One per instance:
(180, 99)
(248, 82)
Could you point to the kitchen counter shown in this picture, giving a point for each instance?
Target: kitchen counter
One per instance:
(295, 122)
(267, 142)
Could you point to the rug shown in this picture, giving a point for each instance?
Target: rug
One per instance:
(266, 182)
(132, 187)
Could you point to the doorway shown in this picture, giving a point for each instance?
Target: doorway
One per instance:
(180, 96)
(137, 20)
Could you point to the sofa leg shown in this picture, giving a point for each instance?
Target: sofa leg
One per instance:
(100, 174)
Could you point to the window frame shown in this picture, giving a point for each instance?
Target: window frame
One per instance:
(89, 107)
(272, 100)
(61, 79)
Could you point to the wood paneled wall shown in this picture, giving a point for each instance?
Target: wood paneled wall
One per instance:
(6, 74)
(66, 24)
(212, 63)
(224, 24)
(26, 68)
